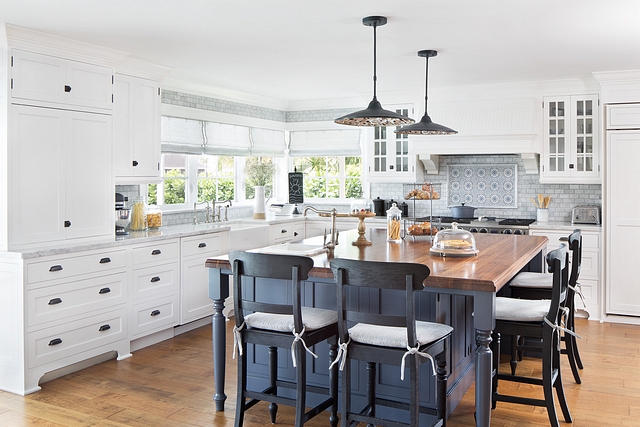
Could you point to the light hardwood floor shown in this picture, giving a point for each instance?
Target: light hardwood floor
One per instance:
(171, 384)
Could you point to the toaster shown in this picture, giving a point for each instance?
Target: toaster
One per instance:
(585, 215)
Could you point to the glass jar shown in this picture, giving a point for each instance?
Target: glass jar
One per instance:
(361, 205)
(154, 217)
(138, 214)
(394, 224)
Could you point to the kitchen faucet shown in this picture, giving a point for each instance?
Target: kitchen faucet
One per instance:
(207, 215)
(227, 204)
(333, 213)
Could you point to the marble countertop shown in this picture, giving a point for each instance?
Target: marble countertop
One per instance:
(563, 225)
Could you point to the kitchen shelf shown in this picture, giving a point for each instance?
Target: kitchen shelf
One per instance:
(419, 193)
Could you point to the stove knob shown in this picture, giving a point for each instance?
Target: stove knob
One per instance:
(507, 231)
(517, 232)
(484, 230)
(473, 230)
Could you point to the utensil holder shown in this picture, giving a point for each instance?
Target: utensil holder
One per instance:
(542, 215)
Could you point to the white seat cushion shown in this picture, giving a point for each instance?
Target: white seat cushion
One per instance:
(521, 310)
(390, 336)
(532, 280)
(312, 318)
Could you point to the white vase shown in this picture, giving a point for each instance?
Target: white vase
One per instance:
(258, 203)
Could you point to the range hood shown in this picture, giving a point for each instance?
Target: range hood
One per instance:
(500, 126)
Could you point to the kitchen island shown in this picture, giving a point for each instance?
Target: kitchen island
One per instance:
(459, 291)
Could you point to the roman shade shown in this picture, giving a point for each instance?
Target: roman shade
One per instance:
(188, 136)
(325, 143)
(267, 142)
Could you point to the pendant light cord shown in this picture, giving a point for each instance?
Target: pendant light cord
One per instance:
(426, 85)
(375, 76)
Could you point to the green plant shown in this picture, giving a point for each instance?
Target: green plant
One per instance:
(259, 171)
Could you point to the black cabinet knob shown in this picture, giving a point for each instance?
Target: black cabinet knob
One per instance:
(67, 224)
(134, 163)
(67, 88)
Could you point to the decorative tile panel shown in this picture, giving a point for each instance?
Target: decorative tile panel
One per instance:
(483, 186)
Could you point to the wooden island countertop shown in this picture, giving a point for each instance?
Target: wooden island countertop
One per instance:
(500, 258)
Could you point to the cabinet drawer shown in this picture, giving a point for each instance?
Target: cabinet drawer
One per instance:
(60, 268)
(206, 245)
(158, 253)
(153, 281)
(154, 315)
(281, 232)
(51, 303)
(58, 342)
(623, 116)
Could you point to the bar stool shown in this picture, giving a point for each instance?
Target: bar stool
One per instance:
(537, 319)
(538, 286)
(289, 326)
(389, 339)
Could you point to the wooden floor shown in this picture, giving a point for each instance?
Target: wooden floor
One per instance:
(171, 384)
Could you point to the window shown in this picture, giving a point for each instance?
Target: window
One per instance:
(331, 177)
(210, 177)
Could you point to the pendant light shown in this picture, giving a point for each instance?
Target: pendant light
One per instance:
(425, 126)
(374, 114)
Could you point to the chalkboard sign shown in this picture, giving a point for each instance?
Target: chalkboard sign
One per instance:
(296, 189)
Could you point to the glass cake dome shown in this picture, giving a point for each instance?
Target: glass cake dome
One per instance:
(454, 241)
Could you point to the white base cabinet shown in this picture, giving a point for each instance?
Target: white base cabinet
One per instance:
(590, 268)
(194, 301)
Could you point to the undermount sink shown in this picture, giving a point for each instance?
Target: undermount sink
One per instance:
(293, 249)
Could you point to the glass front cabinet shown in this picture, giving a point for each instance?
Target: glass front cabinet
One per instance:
(388, 157)
(571, 149)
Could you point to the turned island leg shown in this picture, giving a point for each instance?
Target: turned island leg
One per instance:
(218, 292)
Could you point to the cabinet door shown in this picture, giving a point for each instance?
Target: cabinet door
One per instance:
(89, 85)
(88, 176)
(136, 124)
(36, 183)
(388, 157)
(570, 151)
(622, 219)
(37, 77)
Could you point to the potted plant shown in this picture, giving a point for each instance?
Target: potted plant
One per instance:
(258, 172)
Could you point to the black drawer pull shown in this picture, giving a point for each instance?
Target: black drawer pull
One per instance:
(104, 328)
(155, 312)
(104, 291)
(202, 245)
(55, 341)
(155, 279)
(55, 301)
(283, 231)
(67, 88)
(55, 268)
(156, 252)
(105, 260)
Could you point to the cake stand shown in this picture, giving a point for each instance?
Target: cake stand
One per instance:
(361, 240)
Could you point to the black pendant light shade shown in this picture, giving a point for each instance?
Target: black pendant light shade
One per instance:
(425, 126)
(374, 114)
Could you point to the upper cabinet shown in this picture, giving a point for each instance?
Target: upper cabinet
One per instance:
(53, 80)
(387, 155)
(136, 129)
(571, 147)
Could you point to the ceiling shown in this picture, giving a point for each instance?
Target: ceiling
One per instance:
(291, 51)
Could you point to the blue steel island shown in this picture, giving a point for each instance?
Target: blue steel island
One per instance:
(459, 291)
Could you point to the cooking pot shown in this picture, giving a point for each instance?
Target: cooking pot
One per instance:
(462, 211)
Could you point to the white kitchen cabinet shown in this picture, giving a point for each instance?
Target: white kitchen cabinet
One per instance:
(58, 310)
(136, 129)
(571, 148)
(387, 156)
(155, 287)
(53, 80)
(287, 232)
(590, 267)
(622, 217)
(59, 174)
(194, 284)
